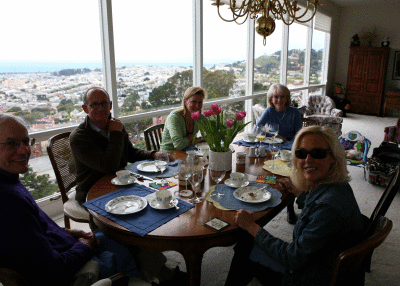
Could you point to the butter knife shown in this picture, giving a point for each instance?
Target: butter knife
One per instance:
(139, 176)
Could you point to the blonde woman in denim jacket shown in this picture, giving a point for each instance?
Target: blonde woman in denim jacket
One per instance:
(330, 220)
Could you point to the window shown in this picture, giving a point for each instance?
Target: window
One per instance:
(296, 55)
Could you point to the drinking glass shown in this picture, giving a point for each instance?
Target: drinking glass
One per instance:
(260, 135)
(274, 129)
(274, 148)
(184, 172)
(217, 176)
(195, 179)
(161, 162)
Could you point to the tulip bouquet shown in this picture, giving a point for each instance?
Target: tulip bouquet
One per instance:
(219, 134)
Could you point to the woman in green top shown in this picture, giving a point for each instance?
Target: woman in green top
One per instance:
(180, 129)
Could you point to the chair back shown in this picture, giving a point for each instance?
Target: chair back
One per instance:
(388, 196)
(349, 268)
(153, 137)
(258, 111)
(63, 163)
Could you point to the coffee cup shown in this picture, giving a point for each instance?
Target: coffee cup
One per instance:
(123, 176)
(286, 155)
(240, 158)
(164, 198)
(250, 137)
(238, 178)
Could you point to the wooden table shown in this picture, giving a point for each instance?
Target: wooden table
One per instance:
(186, 233)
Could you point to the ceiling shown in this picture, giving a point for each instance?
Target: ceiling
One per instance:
(349, 3)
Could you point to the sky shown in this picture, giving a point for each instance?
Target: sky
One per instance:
(147, 31)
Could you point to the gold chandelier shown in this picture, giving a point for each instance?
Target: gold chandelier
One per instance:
(270, 10)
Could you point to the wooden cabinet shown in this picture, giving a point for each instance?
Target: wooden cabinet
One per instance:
(366, 79)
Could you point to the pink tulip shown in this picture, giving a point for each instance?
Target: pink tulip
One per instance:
(219, 110)
(214, 107)
(243, 113)
(207, 113)
(212, 112)
(196, 115)
(239, 116)
(230, 123)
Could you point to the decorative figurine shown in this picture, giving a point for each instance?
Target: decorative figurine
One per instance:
(385, 42)
(355, 41)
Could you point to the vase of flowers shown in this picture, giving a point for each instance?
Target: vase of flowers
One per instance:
(219, 133)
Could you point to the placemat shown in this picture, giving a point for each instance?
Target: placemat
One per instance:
(141, 222)
(169, 172)
(229, 202)
(281, 167)
(285, 145)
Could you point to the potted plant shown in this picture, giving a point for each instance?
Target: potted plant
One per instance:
(219, 133)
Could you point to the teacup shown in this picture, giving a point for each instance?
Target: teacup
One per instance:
(237, 178)
(164, 198)
(123, 176)
(250, 137)
(286, 155)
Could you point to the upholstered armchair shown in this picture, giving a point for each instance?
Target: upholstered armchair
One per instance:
(392, 133)
(258, 111)
(322, 109)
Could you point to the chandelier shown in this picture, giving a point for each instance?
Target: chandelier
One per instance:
(270, 10)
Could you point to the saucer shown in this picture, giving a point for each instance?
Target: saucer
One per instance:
(249, 141)
(283, 160)
(230, 183)
(155, 205)
(115, 181)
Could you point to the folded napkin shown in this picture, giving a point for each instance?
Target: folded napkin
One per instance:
(143, 221)
(228, 201)
(285, 145)
(169, 172)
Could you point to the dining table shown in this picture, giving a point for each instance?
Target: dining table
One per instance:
(186, 233)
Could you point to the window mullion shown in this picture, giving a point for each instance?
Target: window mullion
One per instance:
(197, 42)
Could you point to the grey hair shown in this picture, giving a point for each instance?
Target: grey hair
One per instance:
(338, 173)
(85, 95)
(275, 89)
(4, 117)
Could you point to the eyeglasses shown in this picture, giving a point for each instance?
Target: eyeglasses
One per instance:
(96, 105)
(315, 153)
(13, 144)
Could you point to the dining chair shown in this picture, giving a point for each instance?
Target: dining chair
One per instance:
(349, 267)
(63, 163)
(153, 137)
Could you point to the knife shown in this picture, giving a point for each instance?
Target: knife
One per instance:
(141, 176)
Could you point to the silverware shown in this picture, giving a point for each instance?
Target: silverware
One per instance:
(138, 176)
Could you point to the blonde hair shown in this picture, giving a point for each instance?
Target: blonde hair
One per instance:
(275, 89)
(191, 91)
(338, 172)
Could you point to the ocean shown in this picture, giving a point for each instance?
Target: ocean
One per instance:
(38, 67)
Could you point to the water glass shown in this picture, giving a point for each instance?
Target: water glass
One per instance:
(184, 172)
(274, 147)
(195, 180)
(217, 176)
(161, 162)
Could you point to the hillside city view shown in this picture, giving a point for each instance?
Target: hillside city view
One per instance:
(48, 100)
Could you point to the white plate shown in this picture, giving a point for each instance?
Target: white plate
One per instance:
(252, 194)
(115, 181)
(230, 183)
(155, 205)
(269, 140)
(248, 141)
(149, 167)
(126, 205)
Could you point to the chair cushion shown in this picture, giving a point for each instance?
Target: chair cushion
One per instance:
(74, 209)
(325, 119)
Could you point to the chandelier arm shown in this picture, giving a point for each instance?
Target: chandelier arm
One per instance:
(219, 14)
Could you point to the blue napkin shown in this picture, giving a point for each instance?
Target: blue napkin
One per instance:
(143, 221)
(169, 172)
(285, 145)
(230, 202)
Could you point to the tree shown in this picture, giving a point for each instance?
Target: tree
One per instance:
(66, 105)
(163, 95)
(15, 109)
(218, 83)
(130, 103)
(182, 81)
(39, 186)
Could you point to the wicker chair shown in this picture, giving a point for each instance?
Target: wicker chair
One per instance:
(64, 168)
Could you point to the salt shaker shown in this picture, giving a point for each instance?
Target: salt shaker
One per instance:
(252, 152)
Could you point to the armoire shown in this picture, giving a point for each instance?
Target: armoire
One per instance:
(366, 79)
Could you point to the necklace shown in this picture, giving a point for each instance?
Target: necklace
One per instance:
(282, 116)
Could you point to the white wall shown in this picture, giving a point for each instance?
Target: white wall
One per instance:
(385, 17)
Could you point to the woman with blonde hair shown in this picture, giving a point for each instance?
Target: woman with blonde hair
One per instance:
(280, 112)
(329, 223)
(180, 129)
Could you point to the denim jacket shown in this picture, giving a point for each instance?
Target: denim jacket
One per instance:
(330, 222)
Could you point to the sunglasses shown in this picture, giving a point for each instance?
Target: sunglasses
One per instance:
(315, 153)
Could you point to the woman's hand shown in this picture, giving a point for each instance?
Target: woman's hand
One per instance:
(286, 184)
(245, 220)
(79, 233)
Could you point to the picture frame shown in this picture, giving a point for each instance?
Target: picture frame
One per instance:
(396, 65)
